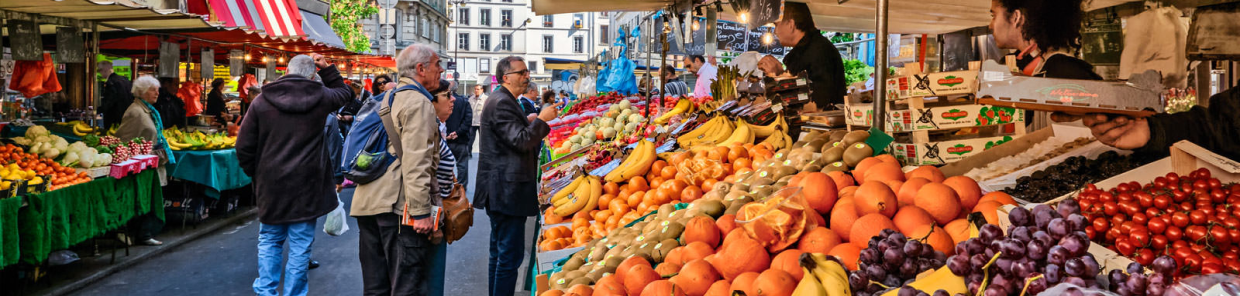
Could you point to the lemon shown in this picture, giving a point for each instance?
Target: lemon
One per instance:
(36, 181)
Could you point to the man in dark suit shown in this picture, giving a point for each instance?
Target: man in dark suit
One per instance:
(117, 95)
(459, 141)
(507, 184)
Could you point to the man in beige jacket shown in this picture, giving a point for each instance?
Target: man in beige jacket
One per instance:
(393, 255)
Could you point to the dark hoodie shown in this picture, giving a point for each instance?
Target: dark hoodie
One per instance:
(281, 142)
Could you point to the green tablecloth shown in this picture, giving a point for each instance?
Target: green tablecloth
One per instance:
(59, 219)
(9, 245)
(216, 169)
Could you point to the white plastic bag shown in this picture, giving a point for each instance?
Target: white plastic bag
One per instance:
(336, 223)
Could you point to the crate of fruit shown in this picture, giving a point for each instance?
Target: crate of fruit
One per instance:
(932, 84)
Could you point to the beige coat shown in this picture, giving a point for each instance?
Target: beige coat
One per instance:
(408, 179)
(137, 122)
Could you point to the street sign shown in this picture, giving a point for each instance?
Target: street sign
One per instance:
(387, 31)
(451, 65)
(387, 3)
(387, 16)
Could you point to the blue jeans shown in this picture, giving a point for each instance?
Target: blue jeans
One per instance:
(438, 267)
(507, 252)
(271, 239)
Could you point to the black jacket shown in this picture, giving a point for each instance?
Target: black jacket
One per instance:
(116, 96)
(816, 54)
(281, 146)
(461, 120)
(1062, 66)
(215, 104)
(508, 146)
(1216, 128)
(171, 109)
(333, 144)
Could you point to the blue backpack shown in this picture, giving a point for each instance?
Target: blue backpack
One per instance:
(365, 149)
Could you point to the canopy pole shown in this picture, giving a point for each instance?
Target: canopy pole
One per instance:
(880, 64)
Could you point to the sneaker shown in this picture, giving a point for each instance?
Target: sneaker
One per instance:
(124, 239)
(152, 242)
(314, 264)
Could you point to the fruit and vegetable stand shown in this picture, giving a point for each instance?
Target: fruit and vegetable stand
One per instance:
(35, 224)
(218, 170)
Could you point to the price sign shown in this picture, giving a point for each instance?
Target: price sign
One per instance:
(606, 168)
(765, 11)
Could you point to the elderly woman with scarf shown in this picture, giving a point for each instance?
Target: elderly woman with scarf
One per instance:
(143, 120)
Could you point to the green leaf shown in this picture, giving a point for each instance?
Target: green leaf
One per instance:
(344, 17)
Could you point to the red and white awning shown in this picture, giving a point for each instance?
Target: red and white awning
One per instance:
(270, 18)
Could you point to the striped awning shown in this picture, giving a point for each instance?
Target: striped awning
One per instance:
(268, 18)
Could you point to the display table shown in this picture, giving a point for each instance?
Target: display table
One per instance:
(218, 170)
(59, 219)
(10, 131)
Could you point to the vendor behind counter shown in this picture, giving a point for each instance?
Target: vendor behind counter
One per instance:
(813, 53)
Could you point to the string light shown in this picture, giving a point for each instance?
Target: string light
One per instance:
(264, 58)
(696, 25)
(744, 16)
(767, 38)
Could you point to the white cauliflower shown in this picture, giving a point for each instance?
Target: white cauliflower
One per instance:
(78, 147)
(103, 159)
(60, 143)
(70, 158)
(36, 131)
(51, 153)
(88, 158)
(38, 146)
(43, 139)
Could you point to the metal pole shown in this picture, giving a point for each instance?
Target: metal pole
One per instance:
(880, 64)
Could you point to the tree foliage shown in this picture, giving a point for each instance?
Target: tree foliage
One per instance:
(344, 21)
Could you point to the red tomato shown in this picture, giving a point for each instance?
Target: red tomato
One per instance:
(1178, 196)
(1144, 256)
(1125, 248)
(1158, 242)
(1197, 217)
(1174, 233)
(1162, 202)
(1110, 208)
(1211, 268)
(1157, 226)
(1220, 236)
(1101, 224)
(1196, 233)
(1140, 218)
(1139, 237)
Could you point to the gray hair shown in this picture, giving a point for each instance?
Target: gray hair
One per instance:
(143, 84)
(504, 65)
(301, 65)
(104, 65)
(532, 87)
(409, 58)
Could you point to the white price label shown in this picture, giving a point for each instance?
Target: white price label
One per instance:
(777, 107)
(992, 76)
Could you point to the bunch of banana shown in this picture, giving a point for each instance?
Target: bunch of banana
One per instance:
(823, 277)
(779, 126)
(636, 164)
(179, 140)
(742, 135)
(580, 195)
(779, 140)
(682, 106)
(82, 129)
(713, 131)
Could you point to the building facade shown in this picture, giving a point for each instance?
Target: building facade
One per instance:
(485, 31)
(415, 21)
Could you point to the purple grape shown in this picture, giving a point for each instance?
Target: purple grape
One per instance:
(1021, 233)
(875, 272)
(990, 253)
(1116, 277)
(989, 232)
(1157, 278)
(896, 236)
(1074, 267)
(893, 255)
(1091, 265)
(1136, 282)
(1036, 250)
(868, 255)
(1042, 214)
(939, 258)
(858, 280)
(891, 281)
(912, 248)
(961, 249)
(1134, 268)
(1019, 216)
(1014, 249)
(975, 246)
(1074, 245)
(1164, 265)
(1058, 228)
(1057, 255)
(941, 293)
(975, 278)
(1044, 237)
(920, 293)
(958, 264)
(1053, 274)
(995, 290)
(907, 291)
(1076, 281)
(1123, 291)
(908, 267)
(1155, 289)
(1036, 286)
(973, 286)
(1077, 222)
(1068, 207)
(1022, 270)
(999, 282)
(1004, 265)
(926, 250)
(978, 260)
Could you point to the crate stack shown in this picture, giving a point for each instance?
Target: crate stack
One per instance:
(935, 118)
(787, 95)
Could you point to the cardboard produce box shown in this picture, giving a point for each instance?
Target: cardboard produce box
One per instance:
(1021, 144)
(859, 114)
(950, 117)
(1185, 158)
(1140, 96)
(943, 152)
(932, 84)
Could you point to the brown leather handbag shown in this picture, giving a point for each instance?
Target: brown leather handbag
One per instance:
(458, 215)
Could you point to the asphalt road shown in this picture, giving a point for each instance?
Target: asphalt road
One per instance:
(225, 263)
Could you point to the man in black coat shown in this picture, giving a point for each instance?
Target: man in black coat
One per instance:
(280, 146)
(508, 141)
(171, 107)
(813, 53)
(459, 137)
(115, 97)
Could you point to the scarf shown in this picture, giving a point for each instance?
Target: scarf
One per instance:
(160, 141)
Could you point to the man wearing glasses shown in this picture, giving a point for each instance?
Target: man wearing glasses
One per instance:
(508, 142)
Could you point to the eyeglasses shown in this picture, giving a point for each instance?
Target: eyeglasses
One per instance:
(522, 72)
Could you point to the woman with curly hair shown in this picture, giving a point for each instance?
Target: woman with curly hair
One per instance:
(1046, 35)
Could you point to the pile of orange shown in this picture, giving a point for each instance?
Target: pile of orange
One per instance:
(59, 176)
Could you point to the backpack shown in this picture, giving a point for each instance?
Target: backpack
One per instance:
(365, 149)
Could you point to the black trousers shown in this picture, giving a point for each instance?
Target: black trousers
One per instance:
(394, 258)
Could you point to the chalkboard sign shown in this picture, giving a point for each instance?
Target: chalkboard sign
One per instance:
(169, 59)
(957, 50)
(69, 46)
(236, 65)
(762, 12)
(208, 64)
(25, 40)
(1102, 42)
(1212, 33)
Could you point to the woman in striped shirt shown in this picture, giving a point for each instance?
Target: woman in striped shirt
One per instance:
(446, 176)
